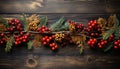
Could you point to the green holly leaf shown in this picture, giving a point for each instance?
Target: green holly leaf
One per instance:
(43, 21)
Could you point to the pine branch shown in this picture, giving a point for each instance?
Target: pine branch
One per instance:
(109, 46)
(43, 21)
(64, 27)
(116, 27)
(57, 24)
(23, 20)
(30, 44)
(9, 44)
(3, 21)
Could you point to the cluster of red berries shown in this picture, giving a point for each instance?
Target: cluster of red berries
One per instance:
(92, 42)
(53, 46)
(93, 29)
(102, 43)
(117, 44)
(48, 41)
(74, 26)
(79, 27)
(42, 29)
(22, 38)
(14, 25)
(2, 38)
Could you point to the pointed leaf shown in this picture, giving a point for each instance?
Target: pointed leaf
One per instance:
(30, 44)
(116, 22)
(9, 44)
(24, 21)
(57, 24)
(110, 45)
(81, 50)
(106, 36)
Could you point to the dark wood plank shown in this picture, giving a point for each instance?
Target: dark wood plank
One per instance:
(59, 6)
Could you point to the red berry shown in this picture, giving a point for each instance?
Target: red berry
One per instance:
(88, 42)
(27, 34)
(92, 34)
(100, 46)
(44, 43)
(116, 43)
(21, 38)
(118, 40)
(56, 46)
(102, 43)
(50, 37)
(105, 42)
(19, 42)
(96, 34)
(21, 33)
(16, 43)
(53, 48)
(43, 39)
(92, 42)
(46, 29)
(25, 37)
(17, 39)
(24, 40)
(43, 27)
(1, 42)
(111, 35)
(43, 30)
(99, 29)
(90, 27)
(53, 44)
(50, 45)
(93, 25)
(19, 25)
(38, 29)
(2, 34)
(119, 45)
(115, 47)
(48, 40)
(95, 40)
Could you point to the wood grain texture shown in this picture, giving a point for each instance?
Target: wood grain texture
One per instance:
(59, 6)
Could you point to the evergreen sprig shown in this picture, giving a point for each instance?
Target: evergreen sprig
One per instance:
(9, 43)
(23, 20)
(30, 44)
(58, 24)
(43, 21)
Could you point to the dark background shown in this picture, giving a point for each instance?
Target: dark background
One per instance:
(68, 57)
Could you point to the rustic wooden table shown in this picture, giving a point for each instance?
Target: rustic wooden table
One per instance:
(66, 58)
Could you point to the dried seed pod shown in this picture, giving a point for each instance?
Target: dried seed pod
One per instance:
(102, 22)
(111, 21)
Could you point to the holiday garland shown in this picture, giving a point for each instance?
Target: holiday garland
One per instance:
(100, 34)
